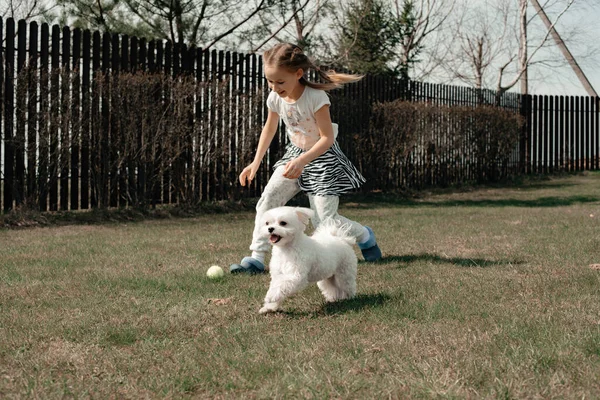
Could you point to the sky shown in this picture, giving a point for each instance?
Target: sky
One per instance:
(562, 80)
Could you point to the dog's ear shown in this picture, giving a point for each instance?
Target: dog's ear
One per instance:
(304, 214)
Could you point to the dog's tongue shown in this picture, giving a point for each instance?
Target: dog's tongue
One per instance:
(274, 238)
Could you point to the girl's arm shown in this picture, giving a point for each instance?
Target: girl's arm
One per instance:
(266, 136)
(293, 169)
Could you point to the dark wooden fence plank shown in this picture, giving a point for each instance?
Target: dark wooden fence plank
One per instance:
(218, 121)
(85, 119)
(76, 133)
(135, 165)
(44, 133)
(176, 180)
(205, 125)
(32, 114)
(104, 184)
(596, 132)
(122, 133)
(167, 169)
(234, 164)
(572, 133)
(54, 118)
(96, 128)
(247, 110)
(555, 119)
(587, 152)
(114, 138)
(227, 131)
(155, 64)
(21, 114)
(9, 149)
(534, 134)
(578, 133)
(544, 159)
(65, 123)
(2, 137)
(189, 143)
(198, 126)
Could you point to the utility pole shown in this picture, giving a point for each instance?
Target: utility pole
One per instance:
(523, 50)
(563, 48)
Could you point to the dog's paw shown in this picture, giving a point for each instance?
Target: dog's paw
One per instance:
(269, 308)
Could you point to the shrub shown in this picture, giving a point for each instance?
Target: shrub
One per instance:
(413, 144)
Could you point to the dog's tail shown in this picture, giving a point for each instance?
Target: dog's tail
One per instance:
(331, 227)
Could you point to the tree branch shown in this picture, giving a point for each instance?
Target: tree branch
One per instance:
(232, 29)
(285, 23)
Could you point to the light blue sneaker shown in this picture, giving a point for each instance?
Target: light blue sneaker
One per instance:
(369, 249)
(248, 265)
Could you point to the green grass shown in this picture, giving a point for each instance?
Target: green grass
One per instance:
(483, 293)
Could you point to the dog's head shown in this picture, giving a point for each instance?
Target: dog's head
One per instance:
(281, 225)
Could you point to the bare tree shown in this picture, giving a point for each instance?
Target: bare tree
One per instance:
(496, 44)
(296, 21)
(480, 37)
(23, 9)
(419, 21)
(526, 57)
(202, 23)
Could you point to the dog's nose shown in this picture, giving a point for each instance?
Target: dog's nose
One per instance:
(271, 230)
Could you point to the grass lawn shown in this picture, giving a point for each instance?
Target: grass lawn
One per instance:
(483, 293)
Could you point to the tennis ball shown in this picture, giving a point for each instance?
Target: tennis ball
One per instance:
(215, 272)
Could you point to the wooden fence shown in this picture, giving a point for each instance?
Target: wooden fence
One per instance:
(73, 137)
(564, 133)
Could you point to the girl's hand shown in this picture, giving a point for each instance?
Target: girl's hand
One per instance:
(248, 174)
(293, 169)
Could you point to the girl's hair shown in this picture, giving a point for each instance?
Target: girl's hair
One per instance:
(292, 58)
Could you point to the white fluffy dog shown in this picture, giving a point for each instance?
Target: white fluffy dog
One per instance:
(326, 257)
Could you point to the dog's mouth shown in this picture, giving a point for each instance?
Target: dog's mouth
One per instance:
(274, 239)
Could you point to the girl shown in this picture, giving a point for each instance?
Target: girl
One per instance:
(313, 162)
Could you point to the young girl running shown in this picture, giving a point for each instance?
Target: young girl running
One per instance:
(313, 162)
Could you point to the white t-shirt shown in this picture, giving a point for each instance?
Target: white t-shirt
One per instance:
(299, 116)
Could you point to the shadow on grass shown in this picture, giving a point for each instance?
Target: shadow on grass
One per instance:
(550, 201)
(434, 258)
(358, 303)
(540, 202)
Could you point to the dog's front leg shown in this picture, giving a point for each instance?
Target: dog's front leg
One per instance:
(280, 288)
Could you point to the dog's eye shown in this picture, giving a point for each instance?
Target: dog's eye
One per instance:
(267, 223)
(283, 223)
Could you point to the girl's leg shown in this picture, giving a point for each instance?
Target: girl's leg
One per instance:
(277, 193)
(327, 207)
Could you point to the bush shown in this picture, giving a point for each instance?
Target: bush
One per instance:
(130, 139)
(413, 144)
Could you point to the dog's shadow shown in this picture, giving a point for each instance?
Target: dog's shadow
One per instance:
(466, 262)
(358, 303)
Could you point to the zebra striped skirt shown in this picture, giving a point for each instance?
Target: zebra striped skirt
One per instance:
(330, 174)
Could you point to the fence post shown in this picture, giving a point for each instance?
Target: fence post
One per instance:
(525, 112)
(9, 152)
(65, 124)
(20, 113)
(2, 140)
(597, 132)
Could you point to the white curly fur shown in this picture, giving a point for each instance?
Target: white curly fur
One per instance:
(326, 257)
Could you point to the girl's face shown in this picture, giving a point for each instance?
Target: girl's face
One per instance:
(282, 81)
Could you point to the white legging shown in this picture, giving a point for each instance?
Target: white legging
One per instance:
(279, 191)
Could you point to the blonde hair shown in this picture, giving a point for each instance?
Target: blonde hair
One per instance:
(292, 58)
